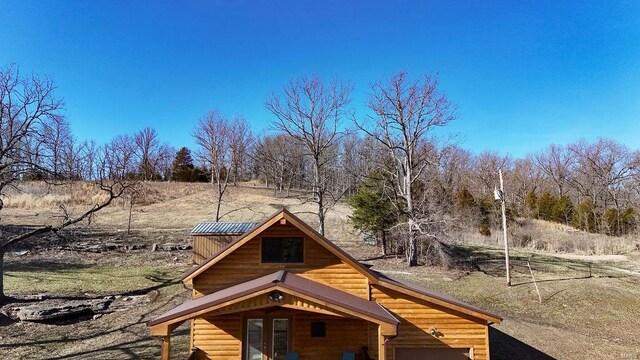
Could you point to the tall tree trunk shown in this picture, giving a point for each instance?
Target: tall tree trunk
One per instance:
(412, 246)
(383, 242)
(130, 215)
(412, 241)
(317, 188)
(219, 203)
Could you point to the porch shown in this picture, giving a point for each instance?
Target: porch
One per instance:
(269, 334)
(280, 313)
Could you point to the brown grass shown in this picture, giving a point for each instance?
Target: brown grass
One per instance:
(543, 236)
(164, 206)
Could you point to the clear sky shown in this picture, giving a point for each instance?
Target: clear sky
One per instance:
(523, 74)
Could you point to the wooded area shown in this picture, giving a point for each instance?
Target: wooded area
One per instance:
(389, 160)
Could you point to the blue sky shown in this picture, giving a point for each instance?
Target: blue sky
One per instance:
(523, 74)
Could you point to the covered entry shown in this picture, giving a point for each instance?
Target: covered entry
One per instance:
(264, 318)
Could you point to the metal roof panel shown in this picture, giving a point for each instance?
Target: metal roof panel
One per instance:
(223, 228)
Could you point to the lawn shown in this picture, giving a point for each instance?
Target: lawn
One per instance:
(588, 310)
(117, 335)
(79, 279)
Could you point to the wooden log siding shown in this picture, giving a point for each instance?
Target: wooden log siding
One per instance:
(204, 246)
(220, 337)
(342, 334)
(417, 317)
(245, 264)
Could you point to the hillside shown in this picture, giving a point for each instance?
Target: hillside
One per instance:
(581, 293)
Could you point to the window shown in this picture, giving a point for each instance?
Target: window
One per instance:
(318, 329)
(282, 250)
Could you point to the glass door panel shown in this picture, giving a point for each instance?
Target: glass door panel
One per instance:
(255, 343)
(280, 344)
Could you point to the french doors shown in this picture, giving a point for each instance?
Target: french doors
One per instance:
(266, 338)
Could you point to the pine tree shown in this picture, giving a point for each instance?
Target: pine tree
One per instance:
(183, 165)
(531, 204)
(373, 212)
(546, 205)
(562, 210)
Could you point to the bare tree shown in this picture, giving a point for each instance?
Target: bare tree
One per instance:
(240, 141)
(486, 167)
(212, 134)
(119, 160)
(522, 180)
(602, 170)
(164, 163)
(30, 124)
(27, 108)
(147, 147)
(281, 162)
(556, 162)
(310, 111)
(404, 114)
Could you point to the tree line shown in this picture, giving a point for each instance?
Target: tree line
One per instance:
(408, 184)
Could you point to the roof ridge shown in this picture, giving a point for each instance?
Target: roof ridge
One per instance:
(280, 276)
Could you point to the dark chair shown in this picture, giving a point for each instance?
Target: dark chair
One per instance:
(292, 355)
(348, 356)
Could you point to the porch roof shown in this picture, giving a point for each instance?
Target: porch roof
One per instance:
(287, 282)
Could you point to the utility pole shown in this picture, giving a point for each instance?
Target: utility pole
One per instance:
(503, 202)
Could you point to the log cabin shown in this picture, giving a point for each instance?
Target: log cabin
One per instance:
(282, 291)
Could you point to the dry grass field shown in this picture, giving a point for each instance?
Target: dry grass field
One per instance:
(589, 309)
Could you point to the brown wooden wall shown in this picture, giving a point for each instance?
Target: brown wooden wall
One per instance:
(343, 334)
(244, 264)
(205, 246)
(417, 317)
(220, 338)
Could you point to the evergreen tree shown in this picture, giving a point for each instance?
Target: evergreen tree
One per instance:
(182, 166)
(584, 216)
(531, 203)
(464, 200)
(562, 210)
(373, 212)
(546, 206)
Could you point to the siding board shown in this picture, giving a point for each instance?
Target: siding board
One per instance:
(244, 264)
(417, 318)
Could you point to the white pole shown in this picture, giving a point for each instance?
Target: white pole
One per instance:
(503, 201)
(534, 282)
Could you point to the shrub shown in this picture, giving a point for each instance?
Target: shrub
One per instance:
(484, 230)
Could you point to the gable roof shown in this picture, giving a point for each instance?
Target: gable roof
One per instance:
(283, 214)
(375, 278)
(286, 282)
(222, 228)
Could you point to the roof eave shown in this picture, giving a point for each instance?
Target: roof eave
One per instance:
(461, 307)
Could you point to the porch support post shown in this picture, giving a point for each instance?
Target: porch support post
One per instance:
(166, 347)
(382, 355)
